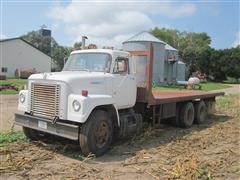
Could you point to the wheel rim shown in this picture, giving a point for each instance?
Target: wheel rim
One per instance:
(102, 134)
(190, 116)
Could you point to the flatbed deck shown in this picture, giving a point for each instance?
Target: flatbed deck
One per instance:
(169, 96)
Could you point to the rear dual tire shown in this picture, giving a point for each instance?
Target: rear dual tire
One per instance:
(186, 115)
(189, 113)
(200, 112)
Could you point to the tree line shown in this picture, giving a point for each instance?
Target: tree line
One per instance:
(194, 49)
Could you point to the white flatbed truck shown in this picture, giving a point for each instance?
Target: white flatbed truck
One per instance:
(96, 97)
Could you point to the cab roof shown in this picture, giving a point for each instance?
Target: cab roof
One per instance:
(109, 51)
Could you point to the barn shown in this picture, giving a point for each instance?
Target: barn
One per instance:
(18, 54)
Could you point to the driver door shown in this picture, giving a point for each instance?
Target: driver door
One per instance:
(124, 89)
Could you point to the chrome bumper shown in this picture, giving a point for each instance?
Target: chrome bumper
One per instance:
(65, 130)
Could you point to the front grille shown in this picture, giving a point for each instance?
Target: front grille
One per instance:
(45, 100)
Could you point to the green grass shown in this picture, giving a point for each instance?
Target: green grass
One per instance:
(229, 102)
(209, 86)
(6, 137)
(230, 80)
(206, 86)
(226, 101)
(19, 83)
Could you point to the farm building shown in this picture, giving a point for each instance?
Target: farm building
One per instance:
(18, 54)
(170, 64)
(166, 68)
(181, 71)
(141, 42)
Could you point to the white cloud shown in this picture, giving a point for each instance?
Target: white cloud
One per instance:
(237, 40)
(3, 36)
(110, 23)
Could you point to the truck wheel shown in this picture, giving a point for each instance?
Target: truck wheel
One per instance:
(186, 115)
(96, 134)
(200, 112)
(210, 106)
(175, 121)
(33, 134)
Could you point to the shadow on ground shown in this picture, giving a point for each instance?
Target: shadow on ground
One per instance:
(123, 149)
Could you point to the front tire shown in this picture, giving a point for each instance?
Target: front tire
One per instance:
(33, 134)
(96, 134)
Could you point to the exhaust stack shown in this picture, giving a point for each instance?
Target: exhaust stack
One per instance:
(83, 41)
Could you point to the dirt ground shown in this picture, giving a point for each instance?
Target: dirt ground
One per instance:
(207, 151)
(8, 106)
(235, 88)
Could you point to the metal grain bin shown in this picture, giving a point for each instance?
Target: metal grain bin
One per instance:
(141, 42)
(181, 71)
(170, 64)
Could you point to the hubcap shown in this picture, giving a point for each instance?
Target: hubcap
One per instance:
(102, 134)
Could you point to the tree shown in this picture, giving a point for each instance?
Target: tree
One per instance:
(171, 36)
(216, 67)
(194, 48)
(225, 63)
(41, 42)
(231, 58)
(60, 53)
(77, 45)
(92, 46)
(49, 46)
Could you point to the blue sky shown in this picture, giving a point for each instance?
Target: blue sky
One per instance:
(110, 23)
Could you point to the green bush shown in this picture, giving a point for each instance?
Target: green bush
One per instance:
(11, 136)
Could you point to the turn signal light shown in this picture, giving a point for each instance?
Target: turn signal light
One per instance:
(84, 93)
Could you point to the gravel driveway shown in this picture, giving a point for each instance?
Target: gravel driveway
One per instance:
(235, 88)
(8, 106)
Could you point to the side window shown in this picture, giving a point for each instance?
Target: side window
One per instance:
(121, 66)
(4, 69)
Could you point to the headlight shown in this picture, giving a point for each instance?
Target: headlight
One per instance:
(76, 105)
(22, 98)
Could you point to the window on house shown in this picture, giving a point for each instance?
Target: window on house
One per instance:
(4, 69)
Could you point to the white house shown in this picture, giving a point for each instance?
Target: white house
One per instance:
(16, 53)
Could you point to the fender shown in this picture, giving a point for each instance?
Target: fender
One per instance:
(88, 104)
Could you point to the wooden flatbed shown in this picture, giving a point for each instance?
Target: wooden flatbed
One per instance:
(164, 96)
(162, 104)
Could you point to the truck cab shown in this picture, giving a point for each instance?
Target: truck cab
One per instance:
(89, 95)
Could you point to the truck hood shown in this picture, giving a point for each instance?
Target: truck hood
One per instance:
(94, 82)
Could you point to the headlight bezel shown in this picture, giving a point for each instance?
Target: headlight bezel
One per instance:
(22, 98)
(76, 105)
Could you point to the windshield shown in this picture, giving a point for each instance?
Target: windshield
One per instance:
(99, 62)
